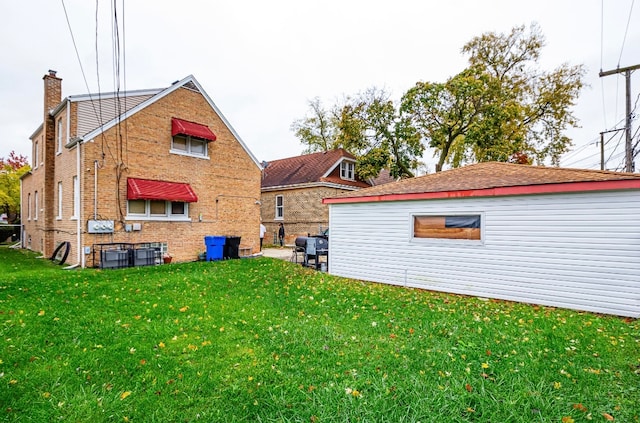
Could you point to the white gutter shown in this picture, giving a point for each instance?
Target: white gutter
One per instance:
(21, 217)
(311, 185)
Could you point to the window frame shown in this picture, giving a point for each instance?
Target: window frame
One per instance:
(28, 206)
(35, 205)
(60, 203)
(59, 137)
(188, 146)
(347, 170)
(36, 154)
(451, 238)
(279, 208)
(168, 214)
(76, 198)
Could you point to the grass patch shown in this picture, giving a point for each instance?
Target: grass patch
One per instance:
(267, 340)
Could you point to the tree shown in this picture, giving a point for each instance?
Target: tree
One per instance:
(367, 125)
(11, 169)
(501, 106)
(316, 131)
(372, 128)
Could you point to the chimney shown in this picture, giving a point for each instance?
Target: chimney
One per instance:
(52, 92)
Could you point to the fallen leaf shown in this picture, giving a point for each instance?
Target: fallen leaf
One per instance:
(579, 407)
(468, 387)
(608, 417)
(125, 394)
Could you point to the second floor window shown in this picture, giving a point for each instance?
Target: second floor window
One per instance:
(188, 145)
(59, 137)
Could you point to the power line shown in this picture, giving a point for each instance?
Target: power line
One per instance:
(75, 46)
(625, 32)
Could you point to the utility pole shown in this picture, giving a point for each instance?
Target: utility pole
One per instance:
(628, 147)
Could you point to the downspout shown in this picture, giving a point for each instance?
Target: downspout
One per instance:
(79, 205)
(21, 217)
(95, 189)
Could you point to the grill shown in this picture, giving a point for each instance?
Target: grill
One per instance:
(312, 249)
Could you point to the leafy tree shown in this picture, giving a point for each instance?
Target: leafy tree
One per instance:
(501, 107)
(370, 127)
(11, 169)
(316, 131)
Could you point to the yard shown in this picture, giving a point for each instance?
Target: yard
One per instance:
(267, 340)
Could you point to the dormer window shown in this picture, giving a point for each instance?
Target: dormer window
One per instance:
(347, 170)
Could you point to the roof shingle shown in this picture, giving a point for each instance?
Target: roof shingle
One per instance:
(308, 168)
(489, 175)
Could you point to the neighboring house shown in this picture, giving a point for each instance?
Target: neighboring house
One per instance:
(159, 166)
(558, 237)
(293, 189)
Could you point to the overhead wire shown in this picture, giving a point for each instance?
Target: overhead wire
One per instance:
(625, 32)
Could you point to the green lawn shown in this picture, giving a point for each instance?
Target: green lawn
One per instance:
(264, 340)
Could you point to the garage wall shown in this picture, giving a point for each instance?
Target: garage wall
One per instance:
(579, 251)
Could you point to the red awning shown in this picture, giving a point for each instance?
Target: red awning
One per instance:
(146, 189)
(184, 127)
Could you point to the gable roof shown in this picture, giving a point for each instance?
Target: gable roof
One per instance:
(137, 101)
(314, 168)
(493, 179)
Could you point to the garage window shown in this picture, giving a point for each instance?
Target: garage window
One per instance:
(447, 226)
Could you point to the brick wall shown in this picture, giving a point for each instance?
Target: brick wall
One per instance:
(304, 212)
(227, 183)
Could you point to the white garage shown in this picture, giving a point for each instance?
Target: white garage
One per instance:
(552, 236)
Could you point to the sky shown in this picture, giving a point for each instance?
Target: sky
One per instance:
(262, 62)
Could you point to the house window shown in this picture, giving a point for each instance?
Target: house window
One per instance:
(59, 200)
(35, 205)
(188, 145)
(29, 206)
(36, 157)
(347, 170)
(447, 227)
(76, 198)
(279, 207)
(59, 134)
(157, 210)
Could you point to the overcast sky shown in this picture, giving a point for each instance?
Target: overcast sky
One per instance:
(262, 61)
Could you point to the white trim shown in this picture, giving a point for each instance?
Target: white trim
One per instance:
(337, 163)
(311, 185)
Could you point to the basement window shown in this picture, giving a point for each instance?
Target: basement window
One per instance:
(467, 227)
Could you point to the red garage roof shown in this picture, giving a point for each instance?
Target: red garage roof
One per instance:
(184, 127)
(146, 189)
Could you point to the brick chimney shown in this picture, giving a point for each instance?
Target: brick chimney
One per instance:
(52, 92)
(52, 97)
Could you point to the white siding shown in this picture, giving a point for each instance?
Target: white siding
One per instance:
(578, 251)
(93, 113)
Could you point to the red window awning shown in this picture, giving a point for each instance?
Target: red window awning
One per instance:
(184, 127)
(146, 189)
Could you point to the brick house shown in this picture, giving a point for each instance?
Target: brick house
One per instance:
(293, 189)
(159, 166)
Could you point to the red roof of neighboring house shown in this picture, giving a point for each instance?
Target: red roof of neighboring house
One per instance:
(309, 168)
(492, 179)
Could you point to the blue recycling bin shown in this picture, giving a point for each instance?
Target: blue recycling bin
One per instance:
(215, 246)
